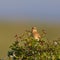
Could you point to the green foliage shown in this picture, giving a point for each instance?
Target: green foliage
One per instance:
(33, 49)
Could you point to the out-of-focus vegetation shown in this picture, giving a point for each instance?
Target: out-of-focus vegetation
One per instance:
(31, 49)
(9, 29)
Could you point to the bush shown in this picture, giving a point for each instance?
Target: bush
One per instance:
(34, 50)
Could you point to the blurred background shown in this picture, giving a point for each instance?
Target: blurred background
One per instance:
(18, 15)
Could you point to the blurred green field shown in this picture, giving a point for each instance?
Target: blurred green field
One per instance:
(9, 29)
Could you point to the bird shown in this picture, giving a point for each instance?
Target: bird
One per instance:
(35, 33)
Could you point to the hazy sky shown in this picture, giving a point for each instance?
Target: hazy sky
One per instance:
(30, 8)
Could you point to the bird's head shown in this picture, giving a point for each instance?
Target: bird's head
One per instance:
(34, 29)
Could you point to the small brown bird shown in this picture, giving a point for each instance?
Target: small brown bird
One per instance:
(35, 33)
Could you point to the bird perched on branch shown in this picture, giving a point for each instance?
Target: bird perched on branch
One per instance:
(35, 33)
